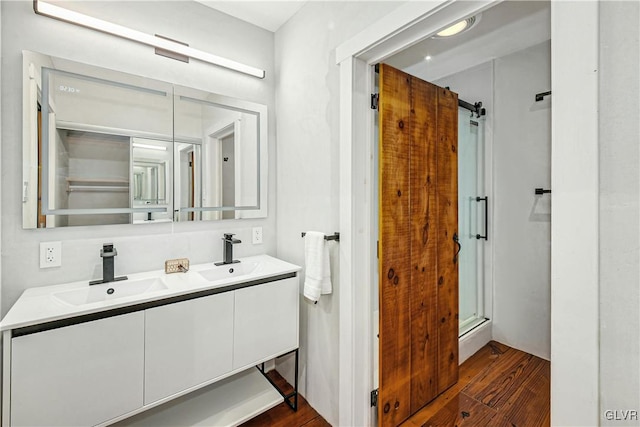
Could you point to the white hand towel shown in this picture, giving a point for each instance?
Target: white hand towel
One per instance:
(318, 271)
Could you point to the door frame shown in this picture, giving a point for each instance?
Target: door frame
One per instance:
(575, 200)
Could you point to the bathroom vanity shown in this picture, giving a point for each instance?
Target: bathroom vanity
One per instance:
(75, 354)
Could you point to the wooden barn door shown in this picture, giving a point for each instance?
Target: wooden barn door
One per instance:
(418, 220)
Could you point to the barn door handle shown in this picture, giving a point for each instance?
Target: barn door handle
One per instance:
(457, 242)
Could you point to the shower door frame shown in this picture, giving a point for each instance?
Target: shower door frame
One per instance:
(484, 263)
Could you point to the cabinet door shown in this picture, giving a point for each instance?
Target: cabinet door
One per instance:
(78, 375)
(187, 344)
(265, 321)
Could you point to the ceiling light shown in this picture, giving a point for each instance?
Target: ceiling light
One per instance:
(427, 58)
(149, 146)
(458, 27)
(52, 11)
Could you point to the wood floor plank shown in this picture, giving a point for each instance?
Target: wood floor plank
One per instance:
(504, 378)
(477, 363)
(317, 422)
(471, 368)
(527, 406)
(499, 348)
(531, 405)
(461, 411)
(500, 421)
(282, 415)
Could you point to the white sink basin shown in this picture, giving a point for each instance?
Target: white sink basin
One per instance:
(221, 272)
(109, 291)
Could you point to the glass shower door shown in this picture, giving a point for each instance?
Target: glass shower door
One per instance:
(472, 205)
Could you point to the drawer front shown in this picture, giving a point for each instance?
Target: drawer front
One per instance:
(265, 321)
(186, 344)
(83, 374)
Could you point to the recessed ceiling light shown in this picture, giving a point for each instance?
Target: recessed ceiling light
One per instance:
(427, 58)
(458, 27)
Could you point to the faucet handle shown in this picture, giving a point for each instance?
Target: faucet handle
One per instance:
(228, 236)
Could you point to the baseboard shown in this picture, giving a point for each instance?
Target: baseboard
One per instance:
(473, 341)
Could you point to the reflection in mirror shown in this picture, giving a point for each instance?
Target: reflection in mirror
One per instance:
(151, 176)
(81, 123)
(88, 170)
(219, 175)
(188, 180)
(105, 147)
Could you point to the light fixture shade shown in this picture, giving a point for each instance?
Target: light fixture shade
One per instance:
(458, 28)
(62, 14)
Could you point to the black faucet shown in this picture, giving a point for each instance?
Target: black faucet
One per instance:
(227, 252)
(108, 253)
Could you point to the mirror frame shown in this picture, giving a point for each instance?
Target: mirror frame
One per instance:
(247, 107)
(38, 73)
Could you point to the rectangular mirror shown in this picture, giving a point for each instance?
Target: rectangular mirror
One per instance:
(105, 147)
(220, 156)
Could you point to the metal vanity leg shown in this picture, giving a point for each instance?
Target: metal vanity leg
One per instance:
(294, 393)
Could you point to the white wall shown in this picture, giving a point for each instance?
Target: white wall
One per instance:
(522, 230)
(143, 247)
(619, 135)
(575, 206)
(307, 99)
(472, 85)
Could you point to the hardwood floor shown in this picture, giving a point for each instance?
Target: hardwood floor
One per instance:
(499, 386)
(283, 416)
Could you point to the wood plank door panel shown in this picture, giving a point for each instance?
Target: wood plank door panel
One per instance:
(418, 214)
(447, 190)
(424, 220)
(395, 269)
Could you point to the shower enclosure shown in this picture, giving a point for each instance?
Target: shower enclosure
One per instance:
(472, 219)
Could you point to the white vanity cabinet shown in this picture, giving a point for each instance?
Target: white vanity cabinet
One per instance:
(265, 322)
(186, 344)
(138, 362)
(83, 374)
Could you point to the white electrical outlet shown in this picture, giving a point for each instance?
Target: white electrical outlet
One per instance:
(256, 235)
(50, 254)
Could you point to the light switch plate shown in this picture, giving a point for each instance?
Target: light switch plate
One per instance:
(256, 235)
(50, 254)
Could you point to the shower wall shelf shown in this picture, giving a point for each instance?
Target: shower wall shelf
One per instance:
(97, 185)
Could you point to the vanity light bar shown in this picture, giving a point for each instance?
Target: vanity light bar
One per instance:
(56, 12)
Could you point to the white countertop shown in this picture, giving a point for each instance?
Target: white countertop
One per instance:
(39, 305)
